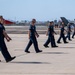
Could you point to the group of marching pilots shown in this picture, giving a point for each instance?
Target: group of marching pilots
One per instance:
(33, 35)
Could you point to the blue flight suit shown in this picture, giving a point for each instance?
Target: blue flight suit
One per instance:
(51, 37)
(48, 40)
(69, 32)
(51, 34)
(62, 35)
(73, 34)
(3, 47)
(32, 39)
(74, 31)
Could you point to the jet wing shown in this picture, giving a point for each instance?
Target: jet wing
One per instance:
(64, 20)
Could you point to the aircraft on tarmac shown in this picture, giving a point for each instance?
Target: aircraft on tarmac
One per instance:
(66, 21)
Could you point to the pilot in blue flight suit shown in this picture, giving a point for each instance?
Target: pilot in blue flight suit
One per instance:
(62, 35)
(32, 38)
(3, 47)
(50, 36)
(74, 31)
(69, 32)
(48, 40)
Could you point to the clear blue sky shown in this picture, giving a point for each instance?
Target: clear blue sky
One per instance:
(39, 9)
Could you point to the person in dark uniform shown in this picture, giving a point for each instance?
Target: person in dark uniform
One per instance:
(32, 37)
(48, 40)
(50, 36)
(3, 46)
(0, 50)
(69, 32)
(74, 31)
(62, 35)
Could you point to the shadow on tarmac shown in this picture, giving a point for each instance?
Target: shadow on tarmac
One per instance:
(66, 47)
(19, 62)
(53, 53)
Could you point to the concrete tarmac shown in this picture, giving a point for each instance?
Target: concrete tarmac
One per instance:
(52, 61)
